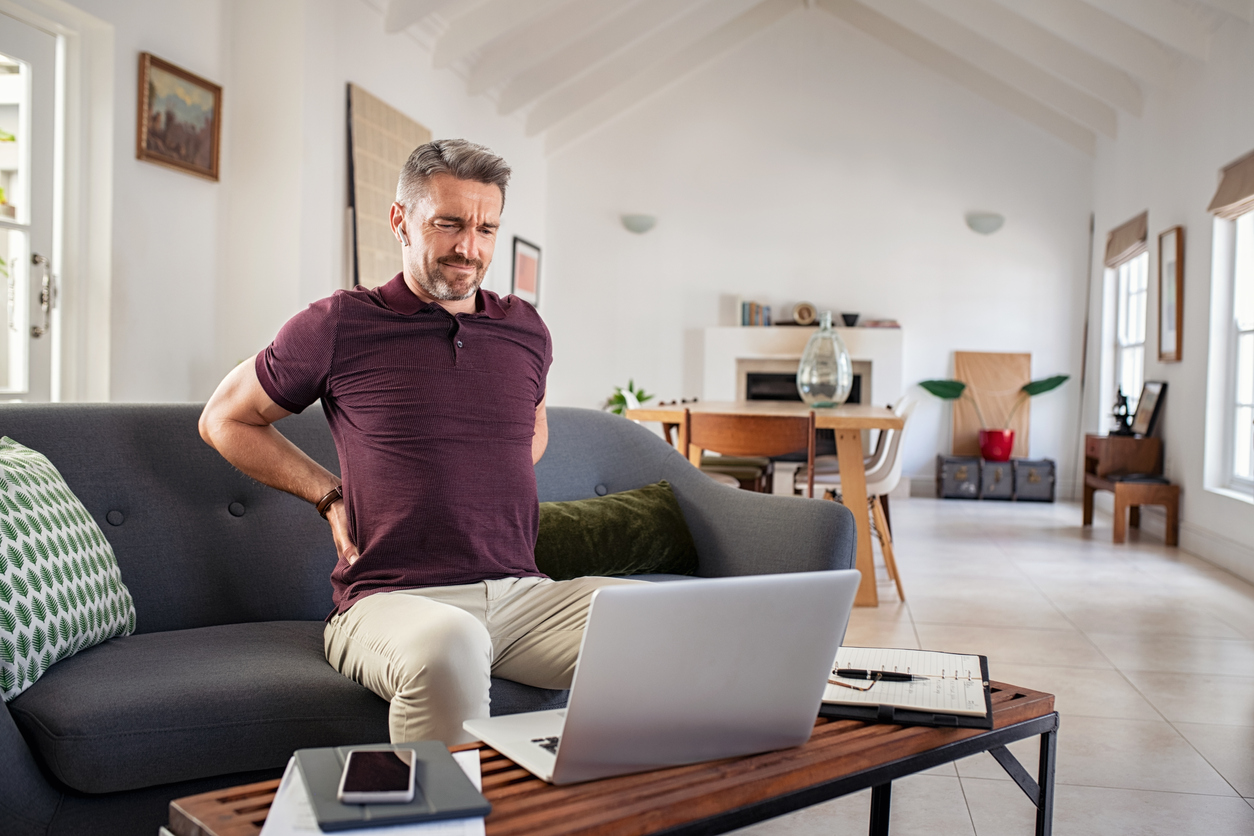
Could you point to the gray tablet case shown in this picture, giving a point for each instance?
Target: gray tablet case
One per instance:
(441, 789)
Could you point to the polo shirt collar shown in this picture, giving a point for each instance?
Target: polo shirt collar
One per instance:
(398, 297)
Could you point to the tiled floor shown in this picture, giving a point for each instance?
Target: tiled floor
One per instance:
(1148, 650)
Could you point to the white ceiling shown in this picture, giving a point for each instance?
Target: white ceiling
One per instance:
(567, 66)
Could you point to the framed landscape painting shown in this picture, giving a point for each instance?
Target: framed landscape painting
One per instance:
(180, 118)
(1170, 294)
(526, 279)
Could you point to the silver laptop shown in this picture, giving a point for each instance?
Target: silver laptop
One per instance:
(688, 671)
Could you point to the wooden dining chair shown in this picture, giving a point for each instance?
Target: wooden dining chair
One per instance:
(747, 435)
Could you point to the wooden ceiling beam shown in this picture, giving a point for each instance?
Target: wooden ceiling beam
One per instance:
(578, 57)
(1166, 21)
(1044, 48)
(485, 23)
(1099, 33)
(974, 78)
(523, 48)
(676, 64)
(402, 14)
(997, 61)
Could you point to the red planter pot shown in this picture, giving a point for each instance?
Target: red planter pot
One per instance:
(995, 445)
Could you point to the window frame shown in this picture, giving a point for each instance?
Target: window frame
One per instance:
(1235, 331)
(1120, 276)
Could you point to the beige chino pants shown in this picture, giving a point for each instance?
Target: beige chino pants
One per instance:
(430, 651)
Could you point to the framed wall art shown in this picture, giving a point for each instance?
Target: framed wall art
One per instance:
(525, 283)
(180, 118)
(1170, 295)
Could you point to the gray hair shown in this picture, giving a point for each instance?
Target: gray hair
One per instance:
(463, 160)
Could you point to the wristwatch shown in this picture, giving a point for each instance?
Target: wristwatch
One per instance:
(333, 496)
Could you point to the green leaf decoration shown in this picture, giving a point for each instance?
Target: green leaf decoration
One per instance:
(130, 622)
(61, 599)
(56, 574)
(46, 574)
(23, 614)
(65, 546)
(22, 527)
(42, 549)
(33, 579)
(7, 529)
(6, 558)
(28, 553)
(6, 591)
(947, 389)
(77, 623)
(38, 608)
(8, 653)
(8, 621)
(23, 500)
(39, 638)
(77, 566)
(50, 602)
(82, 595)
(23, 645)
(1040, 387)
(4, 484)
(43, 518)
(19, 583)
(6, 680)
(45, 662)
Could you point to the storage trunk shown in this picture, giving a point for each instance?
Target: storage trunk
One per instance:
(997, 480)
(957, 477)
(1034, 480)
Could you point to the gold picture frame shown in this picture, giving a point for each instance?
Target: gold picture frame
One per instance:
(179, 122)
(1171, 295)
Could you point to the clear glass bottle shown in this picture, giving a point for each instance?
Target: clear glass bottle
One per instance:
(825, 374)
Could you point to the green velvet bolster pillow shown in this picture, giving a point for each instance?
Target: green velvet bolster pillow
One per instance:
(629, 533)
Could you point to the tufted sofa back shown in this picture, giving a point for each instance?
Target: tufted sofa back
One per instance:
(198, 542)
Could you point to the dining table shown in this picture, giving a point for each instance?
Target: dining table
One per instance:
(848, 421)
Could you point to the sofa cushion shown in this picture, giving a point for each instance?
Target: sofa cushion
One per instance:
(629, 533)
(60, 588)
(156, 708)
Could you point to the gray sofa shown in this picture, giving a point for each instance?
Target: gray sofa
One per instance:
(225, 675)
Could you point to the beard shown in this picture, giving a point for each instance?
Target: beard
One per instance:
(433, 280)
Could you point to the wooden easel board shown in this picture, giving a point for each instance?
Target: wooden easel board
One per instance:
(994, 380)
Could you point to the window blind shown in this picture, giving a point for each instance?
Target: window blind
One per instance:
(1128, 240)
(1235, 195)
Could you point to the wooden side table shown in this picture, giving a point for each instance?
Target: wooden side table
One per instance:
(1112, 455)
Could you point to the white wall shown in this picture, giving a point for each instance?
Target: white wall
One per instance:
(204, 273)
(814, 163)
(1168, 162)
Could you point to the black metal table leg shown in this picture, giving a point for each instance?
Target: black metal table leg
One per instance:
(1045, 778)
(881, 801)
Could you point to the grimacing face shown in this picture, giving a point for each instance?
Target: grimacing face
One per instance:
(452, 236)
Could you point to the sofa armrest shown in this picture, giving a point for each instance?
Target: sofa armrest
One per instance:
(27, 802)
(745, 533)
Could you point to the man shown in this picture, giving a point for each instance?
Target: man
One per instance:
(434, 391)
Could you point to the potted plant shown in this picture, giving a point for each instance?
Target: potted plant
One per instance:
(627, 398)
(995, 443)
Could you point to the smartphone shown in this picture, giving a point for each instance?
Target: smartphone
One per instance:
(378, 776)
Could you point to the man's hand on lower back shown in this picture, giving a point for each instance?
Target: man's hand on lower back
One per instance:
(338, 517)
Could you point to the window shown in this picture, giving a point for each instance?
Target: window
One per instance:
(1131, 292)
(1242, 413)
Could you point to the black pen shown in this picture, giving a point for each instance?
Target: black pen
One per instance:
(886, 676)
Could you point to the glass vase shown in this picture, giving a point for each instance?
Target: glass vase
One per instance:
(825, 374)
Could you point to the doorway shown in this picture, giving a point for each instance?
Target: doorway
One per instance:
(28, 204)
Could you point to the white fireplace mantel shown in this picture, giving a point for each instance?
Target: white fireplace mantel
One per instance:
(726, 347)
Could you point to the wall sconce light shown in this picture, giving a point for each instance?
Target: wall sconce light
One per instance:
(985, 223)
(639, 224)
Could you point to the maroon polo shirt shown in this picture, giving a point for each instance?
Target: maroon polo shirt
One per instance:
(433, 416)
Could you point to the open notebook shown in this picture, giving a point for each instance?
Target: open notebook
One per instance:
(954, 691)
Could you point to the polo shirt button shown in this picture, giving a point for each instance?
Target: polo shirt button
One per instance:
(601, 490)
(459, 343)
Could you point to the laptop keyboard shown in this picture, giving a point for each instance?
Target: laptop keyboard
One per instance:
(548, 744)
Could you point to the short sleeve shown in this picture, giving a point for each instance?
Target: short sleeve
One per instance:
(546, 363)
(295, 368)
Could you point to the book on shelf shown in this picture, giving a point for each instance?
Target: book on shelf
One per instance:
(943, 689)
(754, 314)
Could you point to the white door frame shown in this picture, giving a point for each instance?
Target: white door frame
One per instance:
(83, 224)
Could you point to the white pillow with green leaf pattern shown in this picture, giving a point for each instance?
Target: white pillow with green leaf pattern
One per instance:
(60, 587)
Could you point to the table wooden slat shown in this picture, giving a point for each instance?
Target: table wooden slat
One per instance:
(635, 805)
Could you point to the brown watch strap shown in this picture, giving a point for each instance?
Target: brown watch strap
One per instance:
(333, 496)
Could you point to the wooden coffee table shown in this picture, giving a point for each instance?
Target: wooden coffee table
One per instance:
(841, 757)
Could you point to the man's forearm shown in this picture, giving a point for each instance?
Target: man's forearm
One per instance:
(267, 456)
